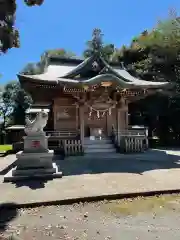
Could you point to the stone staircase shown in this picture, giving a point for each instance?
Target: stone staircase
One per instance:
(98, 147)
(104, 149)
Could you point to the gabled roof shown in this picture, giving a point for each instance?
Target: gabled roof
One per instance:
(61, 70)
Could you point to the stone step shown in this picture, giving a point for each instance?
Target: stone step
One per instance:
(100, 150)
(101, 146)
(103, 141)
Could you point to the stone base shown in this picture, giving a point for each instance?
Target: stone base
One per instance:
(34, 160)
(31, 174)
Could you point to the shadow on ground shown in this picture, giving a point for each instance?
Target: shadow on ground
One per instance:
(131, 163)
(8, 211)
(8, 168)
(124, 163)
(32, 184)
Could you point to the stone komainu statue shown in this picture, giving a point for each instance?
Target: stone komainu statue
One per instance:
(37, 125)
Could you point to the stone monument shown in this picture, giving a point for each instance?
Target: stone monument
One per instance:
(35, 161)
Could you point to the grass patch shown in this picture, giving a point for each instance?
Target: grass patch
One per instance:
(138, 205)
(5, 148)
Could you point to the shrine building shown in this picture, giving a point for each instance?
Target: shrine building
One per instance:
(88, 99)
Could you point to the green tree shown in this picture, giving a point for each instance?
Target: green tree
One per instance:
(97, 45)
(154, 55)
(14, 102)
(59, 52)
(38, 68)
(6, 107)
(31, 69)
(21, 101)
(9, 35)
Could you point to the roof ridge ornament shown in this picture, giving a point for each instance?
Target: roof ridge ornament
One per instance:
(95, 66)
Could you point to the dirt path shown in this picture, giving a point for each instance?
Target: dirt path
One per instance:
(150, 219)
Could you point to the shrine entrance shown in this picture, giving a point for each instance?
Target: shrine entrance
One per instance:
(98, 119)
(96, 126)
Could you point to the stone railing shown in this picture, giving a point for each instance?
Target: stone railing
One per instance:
(131, 141)
(72, 147)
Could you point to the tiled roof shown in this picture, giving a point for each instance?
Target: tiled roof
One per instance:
(67, 71)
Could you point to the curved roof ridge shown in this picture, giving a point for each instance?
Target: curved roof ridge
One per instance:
(120, 80)
(103, 77)
(112, 69)
(79, 67)
(124, 74)
(127, 77)
(100, 78)
(33, 78)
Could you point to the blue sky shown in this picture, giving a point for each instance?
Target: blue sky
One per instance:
(68, 24)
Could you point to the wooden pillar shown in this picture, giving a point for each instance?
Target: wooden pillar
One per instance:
(122, 117)
(77, 117)
(123, 108)
(118, 123)
(109, 124)
(126, 116)
(54, 115)
(81, 122)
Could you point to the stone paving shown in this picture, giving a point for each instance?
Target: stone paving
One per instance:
(85, 178)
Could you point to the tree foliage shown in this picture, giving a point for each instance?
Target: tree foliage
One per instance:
(6, 106)
(13, 103)
(21, 101)
(96, 44)
(155, 56)
(38, 68)
(9, 35)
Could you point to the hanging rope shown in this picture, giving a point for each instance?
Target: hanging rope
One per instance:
(100, 112)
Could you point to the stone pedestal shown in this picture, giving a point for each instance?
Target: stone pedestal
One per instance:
(35, 161)
(36, 143)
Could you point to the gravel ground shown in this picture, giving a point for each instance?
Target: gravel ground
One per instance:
(150, 218)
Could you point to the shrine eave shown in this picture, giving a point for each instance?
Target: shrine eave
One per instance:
(119, 81)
